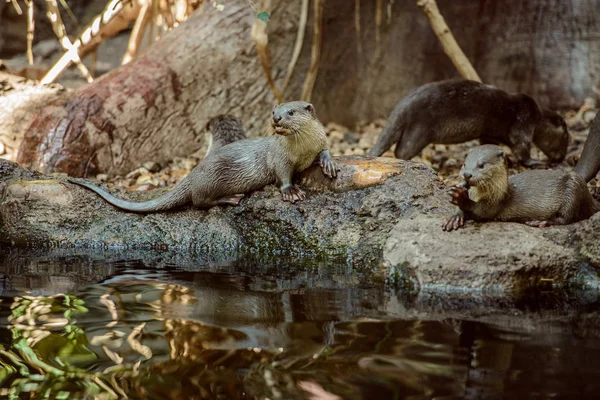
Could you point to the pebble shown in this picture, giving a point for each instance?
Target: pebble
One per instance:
(364, 143)
(146, 178)
(336, 137)
(152, 166)
(136, 173)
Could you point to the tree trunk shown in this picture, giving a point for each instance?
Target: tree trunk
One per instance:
(155, 108)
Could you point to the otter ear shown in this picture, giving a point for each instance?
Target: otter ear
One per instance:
(501, 154)
(309, 108)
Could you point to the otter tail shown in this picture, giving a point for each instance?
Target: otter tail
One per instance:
(589, 162)
(179, 196)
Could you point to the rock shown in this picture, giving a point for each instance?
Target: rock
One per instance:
(136, 173)
(364, 143)
(146, 179)
(336, 136)
(381, 218)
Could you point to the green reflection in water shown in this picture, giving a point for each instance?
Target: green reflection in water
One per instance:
(151, 339)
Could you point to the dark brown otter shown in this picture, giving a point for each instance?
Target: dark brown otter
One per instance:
(224, 129)
(455, 111)
(247, 165)
(589, 162)
(537, 197)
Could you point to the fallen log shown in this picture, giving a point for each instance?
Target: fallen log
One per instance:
(381, 217)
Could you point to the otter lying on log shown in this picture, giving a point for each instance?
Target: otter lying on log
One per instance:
(456, 111)
(231, 170)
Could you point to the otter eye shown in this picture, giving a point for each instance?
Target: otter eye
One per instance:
(480, 165)
(290, 113)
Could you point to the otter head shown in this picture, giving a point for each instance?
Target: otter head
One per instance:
(224, 129)
(551, 135)
(225, 125)
(291, 118)
(485, 173)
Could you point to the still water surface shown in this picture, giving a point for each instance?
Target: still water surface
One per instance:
(91, 326)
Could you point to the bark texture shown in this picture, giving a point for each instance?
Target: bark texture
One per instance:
(155, 108)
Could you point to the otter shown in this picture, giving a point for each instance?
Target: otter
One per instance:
(458, 110)
(223, 177)
(589, 163)
(223, 129)
(537, 198)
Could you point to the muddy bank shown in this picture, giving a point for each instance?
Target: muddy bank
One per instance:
(389, 232)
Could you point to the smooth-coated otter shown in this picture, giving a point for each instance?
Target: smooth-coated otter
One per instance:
(537, 197)
(243, 166)
(458, 110)
(224, 129)
(589, 162)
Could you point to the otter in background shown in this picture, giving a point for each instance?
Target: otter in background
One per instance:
(222, 130)
(589, 162)
(456, 111)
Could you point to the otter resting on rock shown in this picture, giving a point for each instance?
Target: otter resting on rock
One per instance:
(536, 198)
(229, 171)
(459, 110)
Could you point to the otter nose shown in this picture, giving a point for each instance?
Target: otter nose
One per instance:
(276, 118)
(467, 176)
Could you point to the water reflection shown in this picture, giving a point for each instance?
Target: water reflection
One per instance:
(160, 331)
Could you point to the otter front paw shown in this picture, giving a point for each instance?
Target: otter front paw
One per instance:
(459, 196)
(292, 193)
(454, 222)
(327, 164)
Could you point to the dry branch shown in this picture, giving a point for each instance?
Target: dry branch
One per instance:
(451, 48)
(30, 29)
(114, 18)
(137, 34)
(261, 42)
(60, 31)
(311, 76)
(297, 45)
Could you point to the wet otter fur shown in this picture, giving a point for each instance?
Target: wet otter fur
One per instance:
(227, 172)
(459, 110)
(537, 198)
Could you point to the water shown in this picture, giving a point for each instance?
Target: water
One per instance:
(159, 326)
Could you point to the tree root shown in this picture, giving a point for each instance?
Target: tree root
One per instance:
(451, 47)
